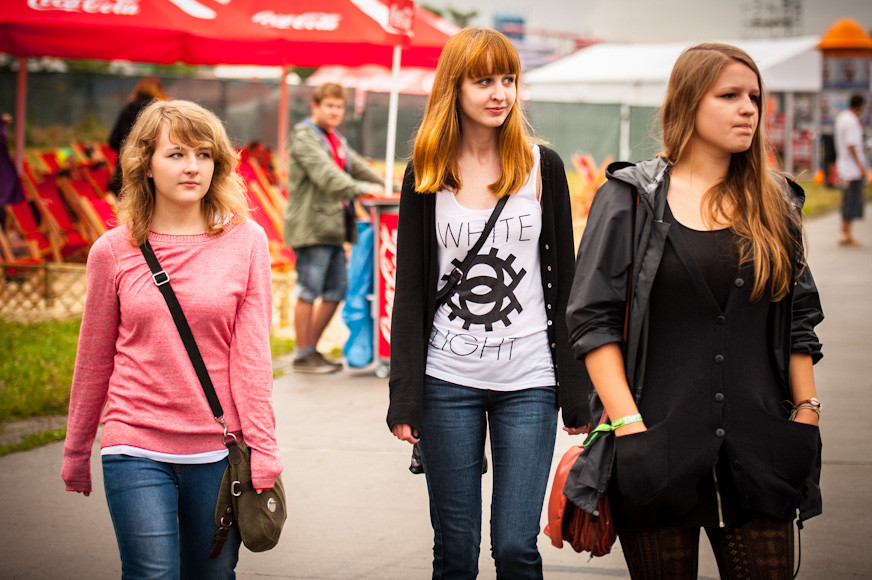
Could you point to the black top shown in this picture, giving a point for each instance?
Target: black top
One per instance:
(715, 253)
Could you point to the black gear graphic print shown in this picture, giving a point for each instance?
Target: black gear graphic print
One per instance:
(499, 291)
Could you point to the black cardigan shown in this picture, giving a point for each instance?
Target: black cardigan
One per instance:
(415, 299)
(626, 233)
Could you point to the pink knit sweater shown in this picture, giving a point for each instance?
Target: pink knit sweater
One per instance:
(132, 362)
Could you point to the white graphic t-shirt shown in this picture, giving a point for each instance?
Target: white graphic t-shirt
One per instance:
(492, 332)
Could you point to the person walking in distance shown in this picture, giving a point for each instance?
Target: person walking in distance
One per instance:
(851, 166)
(491, 354)
(325, 175)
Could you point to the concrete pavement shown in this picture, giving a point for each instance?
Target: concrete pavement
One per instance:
(357, 513)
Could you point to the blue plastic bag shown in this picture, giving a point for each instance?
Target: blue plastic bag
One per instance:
(357, 311)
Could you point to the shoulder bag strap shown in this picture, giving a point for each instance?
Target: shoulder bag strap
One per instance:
(459, 272)
(162, 281)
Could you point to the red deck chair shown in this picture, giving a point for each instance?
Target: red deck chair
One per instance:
(110, 154)
(50, 162)
(281, 256)
(77, 191)
(22, 219)
(29, 171)
(101, 215)
(23, 252)
(99, 175)
(259, 198)
(52, 209)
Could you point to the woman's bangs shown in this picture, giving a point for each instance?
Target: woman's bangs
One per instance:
(504, 58)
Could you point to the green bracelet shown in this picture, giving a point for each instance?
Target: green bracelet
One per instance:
(606, 427)
(626, 421)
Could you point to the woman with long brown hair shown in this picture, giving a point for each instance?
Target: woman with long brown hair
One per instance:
(710, 386)
(492, 353)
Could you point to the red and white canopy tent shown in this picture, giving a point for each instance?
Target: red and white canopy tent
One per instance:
(212, 32)
(413, 80)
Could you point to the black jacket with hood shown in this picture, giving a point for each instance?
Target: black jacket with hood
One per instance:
(624, 241)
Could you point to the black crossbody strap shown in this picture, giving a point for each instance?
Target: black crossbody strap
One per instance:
(459, 272)
(162, 280)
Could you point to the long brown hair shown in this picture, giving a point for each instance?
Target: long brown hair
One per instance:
(188, 124)
(749, 195)
(471, 53)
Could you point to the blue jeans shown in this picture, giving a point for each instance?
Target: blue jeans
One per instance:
(164, 518)
(523, 426)
(321, 272)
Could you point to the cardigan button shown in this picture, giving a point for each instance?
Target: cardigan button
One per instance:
(549, 268)
(553, 345)
(739, 282)
(549, 284)
(721, 320)
(719, 397)
(547, 247)
(720, 432)
(548, 306)
(719, 359)
(737, 466)
(549, 323)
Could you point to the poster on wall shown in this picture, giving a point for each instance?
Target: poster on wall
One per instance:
(846, 73)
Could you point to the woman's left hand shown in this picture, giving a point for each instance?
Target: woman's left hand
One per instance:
(577, 430)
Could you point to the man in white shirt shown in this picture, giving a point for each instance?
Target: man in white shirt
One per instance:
(851, 166)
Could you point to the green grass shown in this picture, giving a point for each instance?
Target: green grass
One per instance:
(280, 345)
(36, 368)
(33, 441)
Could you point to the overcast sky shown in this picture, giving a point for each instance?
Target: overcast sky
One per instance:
(660, 20)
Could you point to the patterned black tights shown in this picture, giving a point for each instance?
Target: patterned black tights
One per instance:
(755, 550)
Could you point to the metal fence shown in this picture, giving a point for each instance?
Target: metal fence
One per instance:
(250, 111)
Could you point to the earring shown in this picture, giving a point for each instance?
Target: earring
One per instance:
(148, 174)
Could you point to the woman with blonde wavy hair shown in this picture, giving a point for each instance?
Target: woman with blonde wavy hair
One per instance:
(491, 353)
(162, 451)
(709, 383)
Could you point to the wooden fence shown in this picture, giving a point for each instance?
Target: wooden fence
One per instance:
(53, 291)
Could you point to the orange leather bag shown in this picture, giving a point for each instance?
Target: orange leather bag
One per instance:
(584, 532)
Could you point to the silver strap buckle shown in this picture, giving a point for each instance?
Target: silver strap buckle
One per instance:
(160, 278)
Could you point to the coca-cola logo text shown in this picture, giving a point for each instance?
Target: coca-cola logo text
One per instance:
(307, 21)
(122, 7)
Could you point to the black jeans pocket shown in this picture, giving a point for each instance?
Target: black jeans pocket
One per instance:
(641, 466)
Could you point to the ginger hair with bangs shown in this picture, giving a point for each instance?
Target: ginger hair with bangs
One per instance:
(749, 196)
(471, 53)
(192, 125)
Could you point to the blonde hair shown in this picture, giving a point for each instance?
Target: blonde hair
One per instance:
(188, 124)
(749, 195)
(471, 53)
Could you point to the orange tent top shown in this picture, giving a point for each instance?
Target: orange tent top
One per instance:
(846, 33)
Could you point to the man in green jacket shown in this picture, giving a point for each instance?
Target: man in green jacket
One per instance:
(324, 177)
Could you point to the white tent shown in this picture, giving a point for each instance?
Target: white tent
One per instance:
(636, 74)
